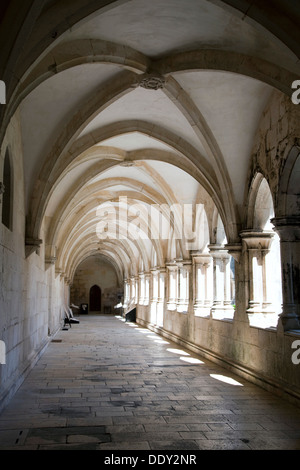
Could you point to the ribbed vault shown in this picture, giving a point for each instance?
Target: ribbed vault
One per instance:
(127, 106)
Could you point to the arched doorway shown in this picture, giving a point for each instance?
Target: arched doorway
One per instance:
(95, 298)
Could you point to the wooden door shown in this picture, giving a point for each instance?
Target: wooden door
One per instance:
(95, 299)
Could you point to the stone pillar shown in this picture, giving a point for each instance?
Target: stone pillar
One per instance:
(132, 289)
(288, 229)
(201, 284)
(154, 296)
(136, 281)
(161, 301)
(258, 246)
(147, 278)
(172, 286)
(221, 307)
(183, 291)
(227, 282)
(141, 288)
(126, 293)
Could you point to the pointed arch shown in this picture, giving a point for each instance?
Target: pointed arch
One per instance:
(95, 298)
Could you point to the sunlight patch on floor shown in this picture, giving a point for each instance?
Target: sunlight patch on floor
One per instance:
(224, 378)
(191, 360)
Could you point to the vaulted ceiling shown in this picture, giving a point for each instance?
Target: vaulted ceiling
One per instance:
(155, 101)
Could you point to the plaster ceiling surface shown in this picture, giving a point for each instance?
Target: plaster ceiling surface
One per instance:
(183, 185)
(159, 28)
(151, 106)
(232, 106)
(134, 141)
(64, 186)
(48, 107)
(179, 185)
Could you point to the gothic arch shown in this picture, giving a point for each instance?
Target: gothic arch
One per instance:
(262, 247)
(260, 204)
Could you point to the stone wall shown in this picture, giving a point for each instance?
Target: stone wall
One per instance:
(31, 297)
(278, 132)
(96, 271)
(261, 355)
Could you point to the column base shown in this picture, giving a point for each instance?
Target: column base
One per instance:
(289, 322)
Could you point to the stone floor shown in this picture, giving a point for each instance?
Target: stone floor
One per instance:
(109, 385)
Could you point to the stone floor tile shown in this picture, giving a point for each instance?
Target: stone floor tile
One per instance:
(140, 445)
(222, 445)
(117, 389)
(174, 445)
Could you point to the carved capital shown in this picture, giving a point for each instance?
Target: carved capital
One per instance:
(257, 241)
(32, 245)
(235, 250)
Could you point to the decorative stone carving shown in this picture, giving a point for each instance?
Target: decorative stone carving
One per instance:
(201, 288)
(32, 245)
(222, 304)
(235, 250)
(152, 82)
(260, 309)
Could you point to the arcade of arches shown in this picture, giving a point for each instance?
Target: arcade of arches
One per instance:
(150, 159)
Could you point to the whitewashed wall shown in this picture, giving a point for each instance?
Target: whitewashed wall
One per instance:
(30, 296)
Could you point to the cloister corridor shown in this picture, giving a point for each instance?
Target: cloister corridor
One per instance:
(106, 384)
(149, 189)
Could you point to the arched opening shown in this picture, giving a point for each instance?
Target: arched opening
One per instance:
(263, 247)
(7, 200)
(95, 299)
(286, 225)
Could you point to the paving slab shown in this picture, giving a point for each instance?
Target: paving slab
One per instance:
(109, 385)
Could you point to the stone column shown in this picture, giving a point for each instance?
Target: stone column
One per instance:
(258, 246)
(183, 293)
(147, 277)
(126, 293)
(221, 307)
(172, 286)
(288, 229)
(201, 284)
(141, 288)
(161, 301)
(136, 281)
(227, 282)
(154, 296)
(132, 289)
